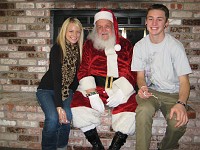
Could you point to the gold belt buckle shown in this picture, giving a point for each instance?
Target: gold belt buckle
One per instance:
(109, 82)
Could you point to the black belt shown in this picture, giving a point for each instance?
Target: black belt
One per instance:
(104, 81)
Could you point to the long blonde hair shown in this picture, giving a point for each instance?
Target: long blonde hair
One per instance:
(61, 40)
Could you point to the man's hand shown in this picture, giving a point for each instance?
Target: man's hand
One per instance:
(181, 114)
(143, 92)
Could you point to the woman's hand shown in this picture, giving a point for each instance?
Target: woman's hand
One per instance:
(62, 115)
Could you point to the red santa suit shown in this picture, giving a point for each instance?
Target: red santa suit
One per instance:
(95, 66)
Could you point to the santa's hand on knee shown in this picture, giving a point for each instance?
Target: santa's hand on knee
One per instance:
(116, 98)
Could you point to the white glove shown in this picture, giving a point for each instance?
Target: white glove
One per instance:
(96, 103)
(117, 98)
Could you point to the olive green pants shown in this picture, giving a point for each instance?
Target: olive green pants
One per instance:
(144, 119)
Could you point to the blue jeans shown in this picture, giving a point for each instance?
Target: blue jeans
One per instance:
(54, 135)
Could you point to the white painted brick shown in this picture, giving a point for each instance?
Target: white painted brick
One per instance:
(36, 41)
(195, 59)
(4, 68)
(193, 94)
(26, 20)
(26, 34)
(35, 116)
(17, 55)
(4, 122)
(3, 27)
(196, 29)
(34, 12)
(11, 88)
(40, 75)
(17, 27)
(2, 129)
(27, 62)
(198, 123)
(8, 61)
(3, 81)
(8, 136)
(47, 27)
(174, 22)
(24, 5)
(36, 69)
(186, 139)
(182, 14)
(43, 48)
(195, 73)
(28, 88)
(193, 80)
(43, 62)
(197, 14)
(1, 114)
(45, 5)
(191, 6)
(8, 48)
(197, 139)
(3, 41)
(27, 123)
(44, 34)
(161, 130)
(159, 122)
(191, 123)
(194, 44)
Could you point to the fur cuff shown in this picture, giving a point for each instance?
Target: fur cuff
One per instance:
(87, 83)
(123, 84)
(84, 117)
(119, 122)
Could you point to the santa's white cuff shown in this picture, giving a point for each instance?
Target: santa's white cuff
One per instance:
(123, 84)
(87, 83)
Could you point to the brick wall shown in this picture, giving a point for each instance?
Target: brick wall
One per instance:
(25, 37)
(25, 42)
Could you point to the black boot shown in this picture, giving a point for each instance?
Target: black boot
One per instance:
(118, 141)
(93, 138)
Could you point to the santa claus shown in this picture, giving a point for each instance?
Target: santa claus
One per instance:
(105, 78)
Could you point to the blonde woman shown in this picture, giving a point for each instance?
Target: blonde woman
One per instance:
(56, 88)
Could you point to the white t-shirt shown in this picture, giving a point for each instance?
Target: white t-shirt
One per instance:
(162, 63)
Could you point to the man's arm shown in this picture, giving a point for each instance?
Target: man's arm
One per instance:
(184, 90)
(143, 89)
(140, 79)
(179, 109)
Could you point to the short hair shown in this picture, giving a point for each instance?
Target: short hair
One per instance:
(61, 36)
(159, 7)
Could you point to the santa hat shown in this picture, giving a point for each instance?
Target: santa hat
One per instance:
(109, 15)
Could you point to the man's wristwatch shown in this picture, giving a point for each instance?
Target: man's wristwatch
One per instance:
(182, 103)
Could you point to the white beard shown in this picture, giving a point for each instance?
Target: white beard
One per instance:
(100, 44)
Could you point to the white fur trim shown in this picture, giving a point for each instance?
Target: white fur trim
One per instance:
(112, 65)
(87, 83)
(103, 15)
(84, 117)
(124, 122)
(123, 84)
(85, 129)
(117, 47)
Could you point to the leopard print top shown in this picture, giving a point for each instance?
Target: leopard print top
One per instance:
(69, 67)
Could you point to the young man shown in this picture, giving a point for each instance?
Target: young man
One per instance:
(105, 77)
(162, 76)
